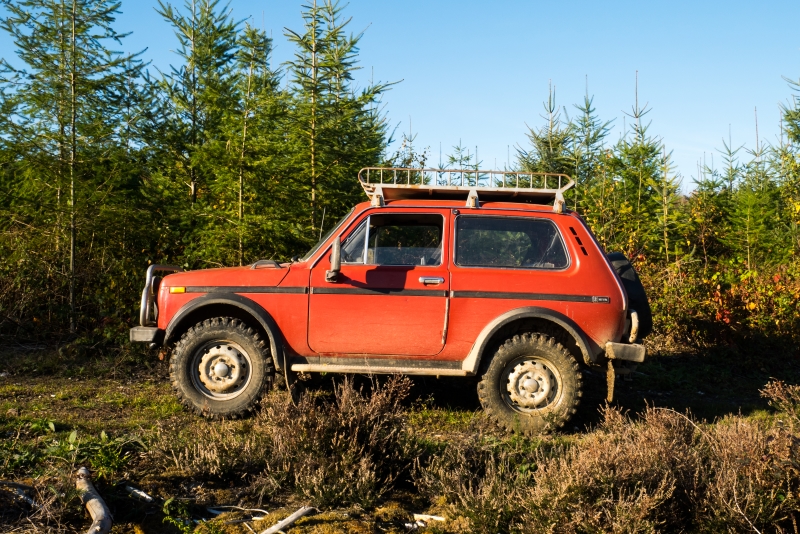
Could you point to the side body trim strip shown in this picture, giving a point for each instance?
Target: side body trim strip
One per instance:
(378, 291)
(527, 296)
(245, 289)
(376, 360)
(323, 368)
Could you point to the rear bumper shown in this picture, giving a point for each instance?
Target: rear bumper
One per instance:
(147, 334)
(630, 352)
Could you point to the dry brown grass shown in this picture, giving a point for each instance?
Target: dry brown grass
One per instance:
(660, 473)
(346, 450)
(352, 449)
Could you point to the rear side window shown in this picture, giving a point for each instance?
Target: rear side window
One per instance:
(521, 243)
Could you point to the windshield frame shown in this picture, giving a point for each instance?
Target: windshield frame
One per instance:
(327, 236)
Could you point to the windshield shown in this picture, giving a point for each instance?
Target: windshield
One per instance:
(326, 236)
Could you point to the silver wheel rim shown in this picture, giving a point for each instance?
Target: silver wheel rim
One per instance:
(220, 370)
(530, 384)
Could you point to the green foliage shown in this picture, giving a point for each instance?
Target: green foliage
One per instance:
(551, 144)
(227, 158)
(215, 162)
(106, 456)
(720, 263)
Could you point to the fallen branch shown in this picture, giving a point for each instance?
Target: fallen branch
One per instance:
(19, 492)
(101, 516)
(139, 494)
(16, 485)
(280, 525)
(216, 510)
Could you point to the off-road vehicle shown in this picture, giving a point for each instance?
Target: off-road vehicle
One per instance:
(443, 273)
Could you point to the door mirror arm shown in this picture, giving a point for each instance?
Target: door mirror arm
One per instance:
(332, 275)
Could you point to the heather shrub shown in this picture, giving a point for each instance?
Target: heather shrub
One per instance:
(752, 478)
(662, 472)
(225, 449)
(627, 476)
(786, 399)
(350, 448)
(478, 483)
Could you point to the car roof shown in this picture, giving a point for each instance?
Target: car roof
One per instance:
(458, 204)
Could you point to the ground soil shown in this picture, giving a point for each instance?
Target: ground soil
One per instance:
(37, 408)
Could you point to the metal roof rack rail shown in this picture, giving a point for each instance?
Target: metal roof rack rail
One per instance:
(396, 183)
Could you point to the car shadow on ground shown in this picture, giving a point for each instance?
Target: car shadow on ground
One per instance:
(707, 383)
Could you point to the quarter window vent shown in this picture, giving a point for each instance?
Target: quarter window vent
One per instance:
(578, 240)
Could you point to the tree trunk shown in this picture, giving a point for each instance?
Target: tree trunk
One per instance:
(72, 162)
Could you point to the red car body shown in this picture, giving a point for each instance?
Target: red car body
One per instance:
(415, 319)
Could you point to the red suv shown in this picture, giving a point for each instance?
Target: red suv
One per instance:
(445, 273)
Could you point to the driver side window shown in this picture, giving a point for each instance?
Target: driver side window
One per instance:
(396, 239)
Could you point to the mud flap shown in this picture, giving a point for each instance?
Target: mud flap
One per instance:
(611, 377)
(293, 385)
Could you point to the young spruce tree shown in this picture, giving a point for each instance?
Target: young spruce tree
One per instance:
(67, 86)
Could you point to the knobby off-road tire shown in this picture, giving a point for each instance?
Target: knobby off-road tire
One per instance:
(532, 385)
(221, 367)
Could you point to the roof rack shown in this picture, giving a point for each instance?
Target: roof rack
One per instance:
(395, 183)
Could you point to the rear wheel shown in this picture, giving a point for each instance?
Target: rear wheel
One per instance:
(532, 385)
(221, 367)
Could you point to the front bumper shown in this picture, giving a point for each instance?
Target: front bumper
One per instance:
(630, 352)
(147, 334)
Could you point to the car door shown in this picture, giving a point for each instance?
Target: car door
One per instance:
(390, 297)
(502, 262)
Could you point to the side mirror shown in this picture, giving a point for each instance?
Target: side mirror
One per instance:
(336, 261)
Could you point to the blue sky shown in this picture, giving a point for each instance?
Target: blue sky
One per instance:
(477, 71)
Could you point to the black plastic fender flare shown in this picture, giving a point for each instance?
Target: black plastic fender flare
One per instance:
(243, 303)
(473, 360)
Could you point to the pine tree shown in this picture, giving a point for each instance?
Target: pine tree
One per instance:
(334, 131)
(707, 206)
(249, 157)
(787, 166)
(636, 165)
(586, 151)
(550, 144)
(756, 237)
(195, 98)
(68, 99)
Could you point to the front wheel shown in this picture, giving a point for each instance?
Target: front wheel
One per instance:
(221, 367)
(532, 385)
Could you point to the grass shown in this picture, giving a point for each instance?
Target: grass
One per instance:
(370, 453)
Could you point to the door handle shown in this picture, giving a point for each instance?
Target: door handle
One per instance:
(431, 280)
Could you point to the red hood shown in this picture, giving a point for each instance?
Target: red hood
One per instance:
(228, 276)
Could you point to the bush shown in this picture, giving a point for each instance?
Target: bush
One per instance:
(350, 449)
(662, 472)
(726, 304)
